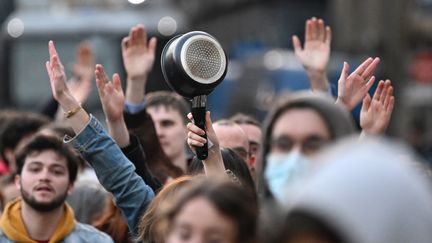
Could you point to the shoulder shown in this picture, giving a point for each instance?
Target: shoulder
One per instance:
(86, 233)
(3, 237)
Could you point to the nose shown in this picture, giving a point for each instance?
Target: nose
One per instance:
(45, 175)
(159, 131)
(297, 148)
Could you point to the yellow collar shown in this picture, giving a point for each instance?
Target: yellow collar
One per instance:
(13, 226)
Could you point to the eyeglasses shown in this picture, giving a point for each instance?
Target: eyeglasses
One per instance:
(309, 145)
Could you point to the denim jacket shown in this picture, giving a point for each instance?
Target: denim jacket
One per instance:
(82, 233)
(114, 171)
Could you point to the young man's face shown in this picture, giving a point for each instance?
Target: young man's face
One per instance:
(170, 129)
(44, 180)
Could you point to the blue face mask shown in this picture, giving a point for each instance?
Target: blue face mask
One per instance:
(283, 170)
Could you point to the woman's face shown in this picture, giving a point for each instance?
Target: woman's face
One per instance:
(200, 222)
(299, 128)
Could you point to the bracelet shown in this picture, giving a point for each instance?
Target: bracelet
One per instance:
(71, 113)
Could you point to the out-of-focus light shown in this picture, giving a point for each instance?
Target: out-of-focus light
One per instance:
(167, 26)
(136, 1)
(273, 60)
(15, 27)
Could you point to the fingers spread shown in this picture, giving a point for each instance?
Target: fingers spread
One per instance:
(370, 69)
(360, 69)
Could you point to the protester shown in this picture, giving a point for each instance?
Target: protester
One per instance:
(315, 54)
(46, 171)
(150, 223)
(114, 171)
(296, 128)
(233, 162)
(375, 192)
(231, 135)
(210, 211)
(167, 109)
(252, 128)
(81, 82)
(112, 99)
(15, 131)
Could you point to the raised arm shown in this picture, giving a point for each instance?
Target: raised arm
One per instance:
(112, 99)
(315, 54)
(352, 88)
(114, 171)
(213, 165)
(83, 71)
(376, 112)
(77, 117)
(138, 58)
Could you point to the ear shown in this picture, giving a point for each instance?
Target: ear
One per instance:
(70, 189)
(18, 181)
(252, 161)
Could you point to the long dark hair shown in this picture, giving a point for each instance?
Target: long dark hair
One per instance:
(228, 198)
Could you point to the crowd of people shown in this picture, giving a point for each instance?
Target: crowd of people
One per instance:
(307, 173)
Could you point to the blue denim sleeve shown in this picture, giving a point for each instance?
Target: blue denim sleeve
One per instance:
(114, 171)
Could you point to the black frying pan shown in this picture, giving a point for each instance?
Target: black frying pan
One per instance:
(193, 64)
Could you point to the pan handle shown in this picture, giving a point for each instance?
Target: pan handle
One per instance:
(199, 106)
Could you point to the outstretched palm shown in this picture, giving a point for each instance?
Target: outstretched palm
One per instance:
(316, 52)
(56, 73)
(353, 87)
(376, 112)
(110, 94)
(138, 54)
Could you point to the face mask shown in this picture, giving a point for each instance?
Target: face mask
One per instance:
(283, 170)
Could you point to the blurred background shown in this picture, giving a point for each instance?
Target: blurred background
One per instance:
(256, 35)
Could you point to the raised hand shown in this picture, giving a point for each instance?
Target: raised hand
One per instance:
(352, 88)
(83, 71)
(213, 165)
(316, 52)
(138, 58)
(56, 74)
(376, 112)
(112, 99)
(76, 116)
(110, 94)
(83, 68)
